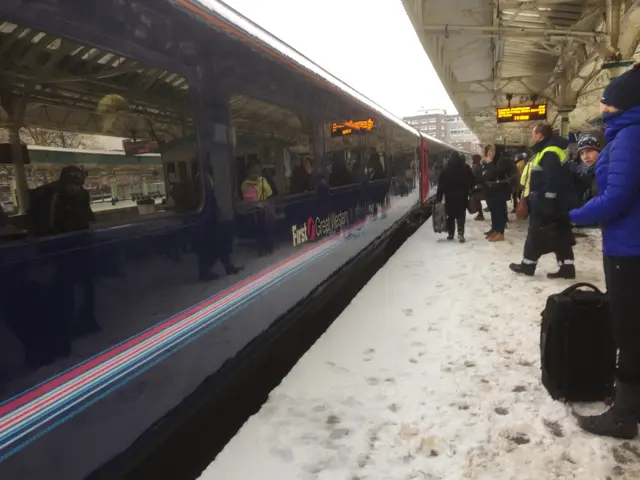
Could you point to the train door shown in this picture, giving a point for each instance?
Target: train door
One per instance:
(424, 171)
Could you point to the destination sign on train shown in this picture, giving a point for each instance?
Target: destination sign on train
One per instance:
(522, 113)
(352, 127)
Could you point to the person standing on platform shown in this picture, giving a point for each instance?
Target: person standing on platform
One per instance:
(549, 197)
(497, 189)
(476, 169)
(455, 185)
(617, 210)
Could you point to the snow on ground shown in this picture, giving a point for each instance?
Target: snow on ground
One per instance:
(432, 372)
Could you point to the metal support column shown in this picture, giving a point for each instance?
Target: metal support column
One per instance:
(564, 122)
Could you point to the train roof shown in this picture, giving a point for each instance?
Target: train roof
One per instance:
(239, 26)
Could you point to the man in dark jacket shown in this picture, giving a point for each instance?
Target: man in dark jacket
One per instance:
(454, 185)
(550, 187)
(62, 206)
(617, 210)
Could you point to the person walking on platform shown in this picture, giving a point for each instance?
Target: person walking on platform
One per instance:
(455, 184)
(549, 201)
(497, 189)
(617, 210)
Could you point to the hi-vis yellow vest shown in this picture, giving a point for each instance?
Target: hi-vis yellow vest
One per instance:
(534, 164)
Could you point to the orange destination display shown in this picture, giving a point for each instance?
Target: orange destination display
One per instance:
(352, 127)
(522, 113)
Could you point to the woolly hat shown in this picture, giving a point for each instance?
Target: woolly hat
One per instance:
(588, 142)
(624, 91)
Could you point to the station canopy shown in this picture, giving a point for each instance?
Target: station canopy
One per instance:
(526, 53)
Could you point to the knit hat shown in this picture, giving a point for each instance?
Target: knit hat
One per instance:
(588, 142)
(624, 91)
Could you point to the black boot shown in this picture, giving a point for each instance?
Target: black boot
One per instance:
(566, 271)
(528, 269)
(621, 420)
(450, 237)
(489, 233)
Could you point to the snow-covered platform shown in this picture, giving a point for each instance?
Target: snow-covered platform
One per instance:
(432, 372)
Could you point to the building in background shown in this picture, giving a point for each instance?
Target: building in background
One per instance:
(446, 127)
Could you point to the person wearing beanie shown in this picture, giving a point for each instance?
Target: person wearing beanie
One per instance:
(585, 172)
(617, 210)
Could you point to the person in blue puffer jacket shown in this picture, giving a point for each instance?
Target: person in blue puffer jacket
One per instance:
(617, 210)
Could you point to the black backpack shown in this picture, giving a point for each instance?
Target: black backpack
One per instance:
(577, 350)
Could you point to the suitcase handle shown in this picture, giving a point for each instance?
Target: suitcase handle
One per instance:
(575, 287)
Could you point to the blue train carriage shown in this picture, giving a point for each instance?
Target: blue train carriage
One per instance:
(173, 180)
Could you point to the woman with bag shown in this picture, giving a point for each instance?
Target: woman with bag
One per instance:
(617, 210)
(455, 184)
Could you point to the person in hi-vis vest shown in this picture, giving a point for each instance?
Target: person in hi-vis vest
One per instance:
(548, 192)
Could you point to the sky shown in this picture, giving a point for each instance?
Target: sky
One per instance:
(368, 44)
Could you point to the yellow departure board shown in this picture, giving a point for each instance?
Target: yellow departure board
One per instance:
(522, 113)
(352, 127)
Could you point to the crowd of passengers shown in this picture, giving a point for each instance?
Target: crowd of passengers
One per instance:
(600, 187)
(260, 183)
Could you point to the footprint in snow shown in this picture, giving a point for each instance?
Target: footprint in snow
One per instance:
(554, 428)
(408, 312)
(501, 411)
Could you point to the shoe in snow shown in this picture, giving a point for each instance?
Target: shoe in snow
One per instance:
(566, 271)
(496, 237)
(450, 237)
(489, 233)
(528, 269)
(621, 420)
(461, 238)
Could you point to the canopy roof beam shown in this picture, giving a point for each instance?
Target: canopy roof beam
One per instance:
(520, 32)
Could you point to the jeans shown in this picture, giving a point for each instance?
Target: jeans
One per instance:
(498, 215)
(622, 277)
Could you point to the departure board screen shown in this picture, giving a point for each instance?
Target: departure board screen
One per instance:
(352, 127)
(522, 113)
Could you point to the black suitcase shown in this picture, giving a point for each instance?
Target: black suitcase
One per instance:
(577, 351)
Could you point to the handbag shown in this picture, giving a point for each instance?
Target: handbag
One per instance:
(522, 209)
(472, 205)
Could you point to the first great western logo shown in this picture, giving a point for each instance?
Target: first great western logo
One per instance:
(315, 228)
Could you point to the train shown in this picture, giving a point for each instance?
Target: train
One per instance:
(274, 173)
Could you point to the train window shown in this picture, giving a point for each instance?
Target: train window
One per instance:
(274, 150)
(345, 158)
(90, 132)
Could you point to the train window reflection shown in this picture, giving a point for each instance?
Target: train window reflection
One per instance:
(90, 137)
(274, 151)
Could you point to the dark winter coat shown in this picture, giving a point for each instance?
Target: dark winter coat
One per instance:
(552, 185)
(455, 185)
(617, 209)
(496, 179)
(52, 211)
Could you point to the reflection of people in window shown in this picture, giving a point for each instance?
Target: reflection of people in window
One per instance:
(255, 188)
(62, 206)
(376, 172)
(301, 177)
(269, 174)
(340, 175)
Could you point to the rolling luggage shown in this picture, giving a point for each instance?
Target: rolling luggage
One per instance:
(439, 218)
(577, 350)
